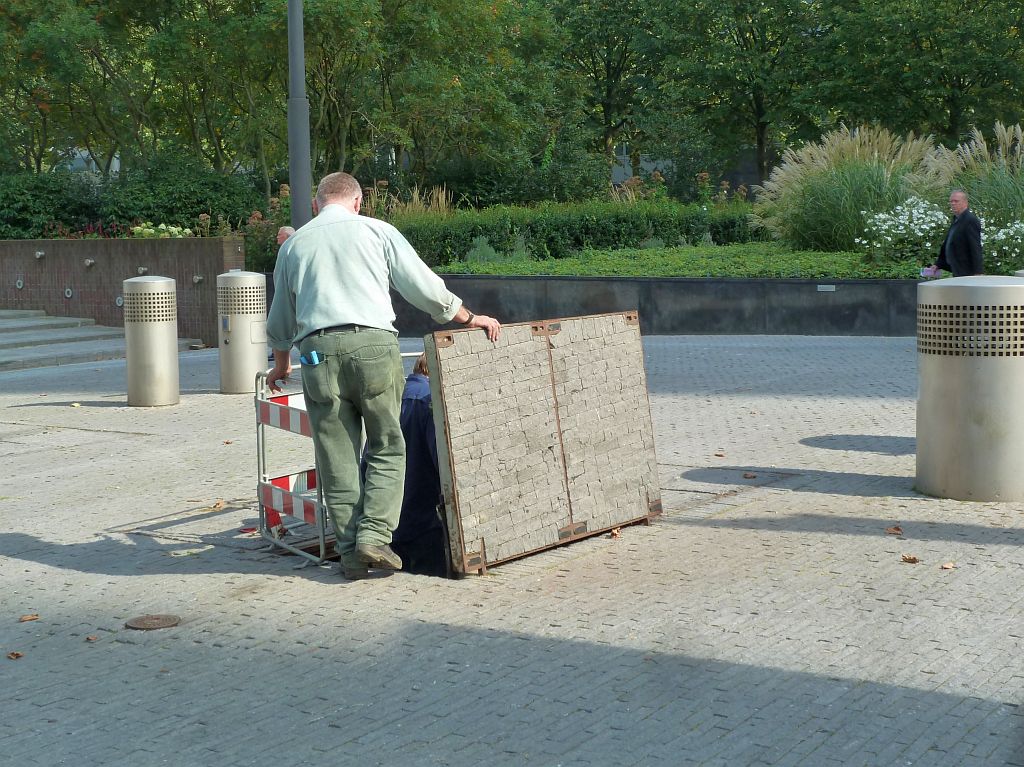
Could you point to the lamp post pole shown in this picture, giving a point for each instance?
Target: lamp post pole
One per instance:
(299, 171)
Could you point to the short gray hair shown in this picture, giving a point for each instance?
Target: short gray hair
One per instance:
(959, 191)
(337, 186)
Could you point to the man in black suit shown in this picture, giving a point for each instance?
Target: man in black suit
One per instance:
(960, 252)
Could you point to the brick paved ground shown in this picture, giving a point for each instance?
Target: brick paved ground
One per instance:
(764, 620)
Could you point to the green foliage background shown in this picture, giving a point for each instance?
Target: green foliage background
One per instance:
(166, 191)
(506, 101)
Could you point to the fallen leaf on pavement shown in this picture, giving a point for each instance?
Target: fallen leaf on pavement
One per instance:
(910, 559)
(76, 404)
(218, 505)
(228, 441)
(91, 638)
(27, 618)
(615, 533)
(14, 655)
(894, 530)
(948, 566)
(719, 455)
(749, 475)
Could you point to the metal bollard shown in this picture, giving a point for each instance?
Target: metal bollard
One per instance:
(242, 306)
(970, 361)
(151, 341)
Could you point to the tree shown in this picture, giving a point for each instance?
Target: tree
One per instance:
(742, 65)
(221, 64)
(933, 66)
(615, 50)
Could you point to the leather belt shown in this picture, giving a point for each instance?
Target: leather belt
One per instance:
(332, 329)
(343, 329)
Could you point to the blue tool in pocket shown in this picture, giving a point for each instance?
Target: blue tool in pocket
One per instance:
(312, 359)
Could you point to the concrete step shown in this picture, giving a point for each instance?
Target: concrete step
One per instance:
(68, 353)
(47, 335)
(12, 314)
(31, 339)
(20, 324)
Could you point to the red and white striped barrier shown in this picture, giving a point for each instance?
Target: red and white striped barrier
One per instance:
(286, 412)
(293, 495)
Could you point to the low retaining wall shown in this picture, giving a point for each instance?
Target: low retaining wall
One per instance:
(49, 270)
(682, 306)
(668, 306)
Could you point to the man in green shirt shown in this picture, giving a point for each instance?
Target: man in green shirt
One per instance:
(332, 300)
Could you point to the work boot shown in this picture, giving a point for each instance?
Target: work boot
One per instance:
(353, 568)
(378, 556)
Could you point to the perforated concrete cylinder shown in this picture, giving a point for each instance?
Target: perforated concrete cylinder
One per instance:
(970, 409)
(242, 306)
(151, 341)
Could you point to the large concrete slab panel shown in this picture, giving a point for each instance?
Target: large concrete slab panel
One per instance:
(543, 437)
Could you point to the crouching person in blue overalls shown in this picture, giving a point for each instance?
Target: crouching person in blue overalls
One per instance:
(420, 538)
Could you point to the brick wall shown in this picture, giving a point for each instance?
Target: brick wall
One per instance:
(94, 288)
(547, 434)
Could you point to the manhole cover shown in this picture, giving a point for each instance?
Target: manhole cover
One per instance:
(150, 622)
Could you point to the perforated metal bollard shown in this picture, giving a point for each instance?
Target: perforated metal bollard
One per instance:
(151, 341)
(970, 414)
(242, 306)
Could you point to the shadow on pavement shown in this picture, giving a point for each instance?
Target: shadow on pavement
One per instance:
(436, 693)
(864, 443)
(148, 554)
(815, 481)
(828, 524)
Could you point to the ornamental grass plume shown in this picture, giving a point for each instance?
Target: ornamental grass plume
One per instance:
(380, 202)
(819, 195)
(992, 175)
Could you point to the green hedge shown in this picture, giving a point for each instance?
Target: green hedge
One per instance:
(753, 260)
(177, 192)
(559, 230)
(30, 203)
(167, 192)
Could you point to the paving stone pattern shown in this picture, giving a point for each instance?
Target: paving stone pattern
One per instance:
(605, 420)
(548, 430)
(495, 403)
(761, 620)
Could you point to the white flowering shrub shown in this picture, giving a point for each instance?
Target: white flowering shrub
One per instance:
(912, 230)
(162, 231)
(1004, 248)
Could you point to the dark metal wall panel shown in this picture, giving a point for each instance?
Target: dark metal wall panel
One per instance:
(682, 306)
